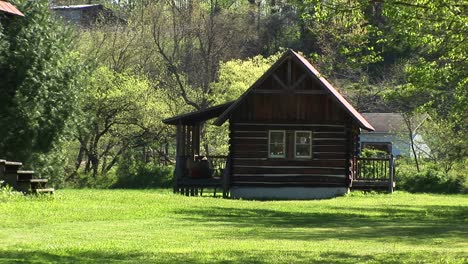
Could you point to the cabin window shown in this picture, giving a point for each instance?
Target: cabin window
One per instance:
(276, 144)
(303, 144)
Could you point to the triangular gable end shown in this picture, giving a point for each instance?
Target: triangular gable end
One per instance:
(311, 72)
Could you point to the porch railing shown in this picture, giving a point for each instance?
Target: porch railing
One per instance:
(376, 170)
(218, 164)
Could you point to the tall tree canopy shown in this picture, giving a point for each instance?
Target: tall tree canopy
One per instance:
(39, 74)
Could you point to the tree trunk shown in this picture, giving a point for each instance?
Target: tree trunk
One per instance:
(88, 165)
(407, 120)
(414, 152)
(95, 165)
(79, 158)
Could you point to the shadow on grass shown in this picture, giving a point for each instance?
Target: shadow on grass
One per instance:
(400, 225)
(251, 256)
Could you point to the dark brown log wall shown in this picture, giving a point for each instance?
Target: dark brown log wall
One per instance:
(251, 165)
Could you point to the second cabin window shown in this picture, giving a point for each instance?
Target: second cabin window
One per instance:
(302, 144)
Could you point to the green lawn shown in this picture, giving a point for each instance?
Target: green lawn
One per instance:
(102, 226)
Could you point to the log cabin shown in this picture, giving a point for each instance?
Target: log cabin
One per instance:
(291, 136)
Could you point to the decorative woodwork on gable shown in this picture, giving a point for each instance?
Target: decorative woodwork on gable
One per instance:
(289, 78)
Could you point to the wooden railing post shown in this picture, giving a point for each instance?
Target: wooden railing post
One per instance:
(225, 177)
(392, 173)
(180, 158)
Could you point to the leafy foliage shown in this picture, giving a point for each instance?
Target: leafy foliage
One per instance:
(39, 88)
(432, 178)
(122, 111)
(236, 76)
(133, 173)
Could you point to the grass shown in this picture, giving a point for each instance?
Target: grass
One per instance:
(145, 226)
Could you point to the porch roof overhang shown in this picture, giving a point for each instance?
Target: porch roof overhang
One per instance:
(196, 117)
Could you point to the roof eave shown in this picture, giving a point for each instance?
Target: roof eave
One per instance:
(10, 9)
(362, 122)
(179, 118)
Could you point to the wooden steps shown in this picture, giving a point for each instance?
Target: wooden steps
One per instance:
(22, 180)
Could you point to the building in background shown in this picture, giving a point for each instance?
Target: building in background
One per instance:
(87, 15)
(392, 134)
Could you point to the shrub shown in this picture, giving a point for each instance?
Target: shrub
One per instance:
(137, 174)
(87, 180)
(431, 178)
(373, 153)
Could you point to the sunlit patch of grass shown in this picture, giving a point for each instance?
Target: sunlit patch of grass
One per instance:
(141, 226)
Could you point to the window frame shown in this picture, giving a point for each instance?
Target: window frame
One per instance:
(295, 144)
(270, 143)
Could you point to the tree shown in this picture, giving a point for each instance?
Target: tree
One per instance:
(39, 87)
(122, 112)
(192, 46)
(109, 103)
(435, 75)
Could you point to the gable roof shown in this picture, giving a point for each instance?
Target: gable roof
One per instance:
(357, 117)
(9, 8)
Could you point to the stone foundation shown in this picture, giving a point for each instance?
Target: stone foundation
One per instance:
(287, 193)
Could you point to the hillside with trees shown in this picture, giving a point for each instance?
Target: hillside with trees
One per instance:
(84, 105)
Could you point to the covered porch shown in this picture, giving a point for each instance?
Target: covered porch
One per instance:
(196, 172)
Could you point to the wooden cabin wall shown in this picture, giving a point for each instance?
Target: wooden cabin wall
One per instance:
(251, 165)
(305, 107)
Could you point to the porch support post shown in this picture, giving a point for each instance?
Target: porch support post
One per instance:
(188, 144)
(180, 156)
(226, 176)
(348, 158)
(392, 173)
(196, 139)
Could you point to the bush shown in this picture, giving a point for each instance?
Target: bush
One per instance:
(373, 153)
(431, 178)
(87, 180)
(137, 174)
(129, 173)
